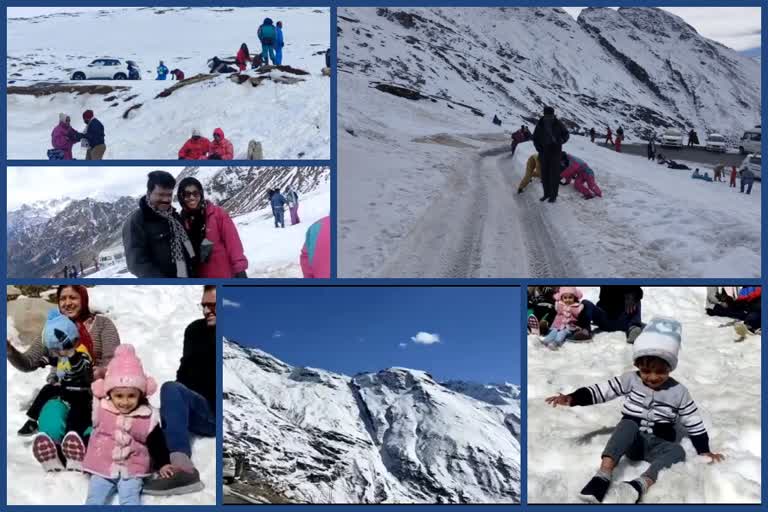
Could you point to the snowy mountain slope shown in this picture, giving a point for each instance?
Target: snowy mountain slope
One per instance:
(153, 319)
(139, 124)
(30, 215)
(395, 436)
(723, 377)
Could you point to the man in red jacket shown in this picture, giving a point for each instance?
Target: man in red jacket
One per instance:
(196, 148)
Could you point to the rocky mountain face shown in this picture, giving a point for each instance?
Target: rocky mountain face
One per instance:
(643, 68)
(393, 436)
(45, 236)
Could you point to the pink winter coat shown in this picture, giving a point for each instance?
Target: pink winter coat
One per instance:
(315, 256)
(227, 257)
(63, 137)
(118, 444)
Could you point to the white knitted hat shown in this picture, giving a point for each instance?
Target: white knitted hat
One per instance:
(660, 338)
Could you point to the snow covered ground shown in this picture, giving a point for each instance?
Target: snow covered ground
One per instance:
(417, 202)
(291, 120)
(271, 252)
(153, 319)
(564, 445)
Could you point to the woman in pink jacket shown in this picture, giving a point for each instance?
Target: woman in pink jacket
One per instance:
(218, 249)
(63, 137)
(315, 256)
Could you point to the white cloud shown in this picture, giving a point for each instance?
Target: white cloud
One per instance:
(426, 338)
(277, 334)
(230, 303)
(403, 345)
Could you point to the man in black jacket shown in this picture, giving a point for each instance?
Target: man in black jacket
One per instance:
(188, 405)
(155, 241)
(548, 139)
(94, 134)
(618, 309)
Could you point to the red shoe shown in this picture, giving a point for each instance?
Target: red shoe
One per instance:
(46, 453)
(73, 449)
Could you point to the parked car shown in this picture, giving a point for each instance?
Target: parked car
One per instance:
(754, 163)
(672, 138)
(233, 466)
(103, 69)
(715, 142)
(750, 141)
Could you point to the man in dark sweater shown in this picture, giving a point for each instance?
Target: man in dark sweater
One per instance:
(94, 134)
(188, 405)
(617, 309)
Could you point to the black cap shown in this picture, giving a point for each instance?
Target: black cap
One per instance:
(549, 111)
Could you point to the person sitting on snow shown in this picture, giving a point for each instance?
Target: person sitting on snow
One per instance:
(162, 71)
(196, 148)
(243, 57)
(177, 74)
(584, 178)
(541, 308)
(532, 170)
(221, 148)
(568, 308)
(653, 403)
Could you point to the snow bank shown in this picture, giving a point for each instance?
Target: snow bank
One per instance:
(153, 319)
(564, 445)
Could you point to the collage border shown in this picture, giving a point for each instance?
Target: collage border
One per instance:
(522, 283)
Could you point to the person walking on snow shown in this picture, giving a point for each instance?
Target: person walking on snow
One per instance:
(532, 170)
(548, 138)
(221, 147)
(63, 137)
(592, 135)
(733, 177)
(609, 136)
(279, 43)
(654, 402)
(293, 204)
(652, 147)
(747, 178)
(718, 171)
(278, 202)
(315, 258)
(583, 177)
(267, 36)
(243, 57)
(162, 71)
(196, 148)
(94, 136)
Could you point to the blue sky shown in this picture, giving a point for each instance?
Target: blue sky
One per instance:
(470, 333)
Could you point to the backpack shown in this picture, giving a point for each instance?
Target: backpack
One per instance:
(268, 34)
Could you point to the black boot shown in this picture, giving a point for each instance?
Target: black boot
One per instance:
(552, 199)
(28, 429)
(543, 198)
(594, 491)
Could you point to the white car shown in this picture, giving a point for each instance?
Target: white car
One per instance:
(754, 163)
(751, 141)
(715, 142)
(103, 69)
(232, 467)
(672, 138)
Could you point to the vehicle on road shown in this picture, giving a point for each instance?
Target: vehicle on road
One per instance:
(233, 466)
(672, 138)
(754, 163)
(107, 68)
(751, 141)
(715, 142)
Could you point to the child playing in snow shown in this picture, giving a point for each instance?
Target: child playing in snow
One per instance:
(70, 384)
(653, 403)
(733, 177)
(127, 437)
(568, 307)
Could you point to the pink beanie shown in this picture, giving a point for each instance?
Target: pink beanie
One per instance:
(124, 371)
(568, 290)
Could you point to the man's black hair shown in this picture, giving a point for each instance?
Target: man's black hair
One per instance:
(162, 178)
(209, 287)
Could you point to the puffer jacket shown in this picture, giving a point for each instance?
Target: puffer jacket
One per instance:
(223, 147)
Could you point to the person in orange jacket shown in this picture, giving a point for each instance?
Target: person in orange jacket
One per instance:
(196, 148)
(221, 148)
(243, 57)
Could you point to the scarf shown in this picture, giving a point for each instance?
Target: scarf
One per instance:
(194, 224)
(179, 239)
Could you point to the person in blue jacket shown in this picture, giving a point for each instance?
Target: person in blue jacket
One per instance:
(162, 71)
(268, 37)
(279, 43)
(278, 202)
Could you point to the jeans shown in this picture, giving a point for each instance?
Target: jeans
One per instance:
(184, 412)
(628, 440)
(279, 214)
(594, 314)
(101, 489)
(279, 55)
(748, 184)
(557, 336)
(267, 52)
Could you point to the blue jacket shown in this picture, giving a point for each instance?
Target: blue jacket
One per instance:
(278, 200)
(280, 40)
(162, 70)
(94, 133)
(266, 33)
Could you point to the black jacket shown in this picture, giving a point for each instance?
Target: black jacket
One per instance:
(94, 132)
(613, 298)
(550, 135)
(147, 243)
(197, 370)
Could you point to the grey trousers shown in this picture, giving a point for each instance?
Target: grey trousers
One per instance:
(628, 440)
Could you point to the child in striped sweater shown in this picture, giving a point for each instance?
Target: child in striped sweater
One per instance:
(653, 403)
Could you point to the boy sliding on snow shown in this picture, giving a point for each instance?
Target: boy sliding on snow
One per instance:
(653, 403)
(568, 307)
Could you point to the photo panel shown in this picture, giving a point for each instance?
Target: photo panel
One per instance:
(546, 142)
(646, 394)
(372, 395)
(169, 83)
(111, 395)
(174, 222)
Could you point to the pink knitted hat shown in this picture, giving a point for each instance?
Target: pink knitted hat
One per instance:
(124, 371)
(566, 290)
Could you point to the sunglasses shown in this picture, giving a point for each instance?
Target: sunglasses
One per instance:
(194, 193)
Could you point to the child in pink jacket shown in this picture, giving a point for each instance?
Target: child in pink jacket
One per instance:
(126, 437)
(568, 307)
(582, 175)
